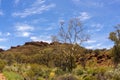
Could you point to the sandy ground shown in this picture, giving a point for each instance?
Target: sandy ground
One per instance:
(2, 77)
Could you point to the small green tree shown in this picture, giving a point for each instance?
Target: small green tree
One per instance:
(115, 37)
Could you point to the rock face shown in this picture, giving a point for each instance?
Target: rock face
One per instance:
(39, 44)
(99, 58)
(55, 43)
(43, 44)
(1, 50)
(14, 47)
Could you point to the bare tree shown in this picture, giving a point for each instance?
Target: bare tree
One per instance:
(73, 34)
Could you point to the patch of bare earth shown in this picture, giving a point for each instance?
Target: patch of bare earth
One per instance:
(2, 77)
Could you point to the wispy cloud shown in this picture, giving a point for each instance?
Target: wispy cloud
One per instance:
(51, 26)
(3, 39)
(40, 20)
(24, 27)
(91, 41)
(97, 27)
(23, 30)
(95, 46)
(4, 34)
(38, 7)
(88, 3)
(8, 34)
(4, 47)
(98, 41)
(99, 46)
(48, 27)
(84, 16)
(23, 34)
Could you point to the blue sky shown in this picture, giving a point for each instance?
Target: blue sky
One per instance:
(35, 20)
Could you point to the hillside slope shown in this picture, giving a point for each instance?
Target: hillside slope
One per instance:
(36, 52)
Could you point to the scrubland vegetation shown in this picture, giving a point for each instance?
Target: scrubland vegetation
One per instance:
(43, 61)
(63, 59)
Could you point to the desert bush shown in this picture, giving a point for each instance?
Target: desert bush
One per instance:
(78, 71)
(10, 58)
(12, 75)
(40, 78)
(89, 77)
(66, 77)
(34, 72)
(58, 71)
(2, 64)
(113, 74)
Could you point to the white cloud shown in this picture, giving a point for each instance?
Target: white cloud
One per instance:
(44, 38)
(4, 34)
(84, 16)
(34, 38)
(99, 46)
(90, 47)
(8, 34)
(37, 7)
(4, 47)
(24, 27)
(23, 30)
(25, 34)
(3, 39)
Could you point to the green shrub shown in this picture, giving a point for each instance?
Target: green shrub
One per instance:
(113, 74)
(89, 77)
(40, 78)
(78, 72)
(2, 65)
(67, 77)
(12, 76)
(59, 71)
